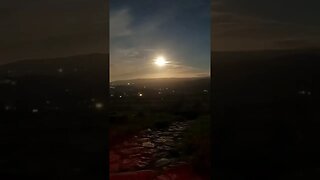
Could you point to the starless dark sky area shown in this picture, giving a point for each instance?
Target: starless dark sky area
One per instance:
(141, 30)
(52, 28)
(261, 24)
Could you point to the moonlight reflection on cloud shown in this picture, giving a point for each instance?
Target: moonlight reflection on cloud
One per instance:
(159, 39)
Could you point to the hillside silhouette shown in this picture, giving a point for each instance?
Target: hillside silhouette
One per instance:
(54, 120)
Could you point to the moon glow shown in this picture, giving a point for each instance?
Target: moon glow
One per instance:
(160, 61)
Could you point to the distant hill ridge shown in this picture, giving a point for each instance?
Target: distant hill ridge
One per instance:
(139, 80)
(93, 63)
(181, 84)
(81, 76)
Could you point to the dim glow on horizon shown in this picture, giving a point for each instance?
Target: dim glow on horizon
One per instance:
(160, 61)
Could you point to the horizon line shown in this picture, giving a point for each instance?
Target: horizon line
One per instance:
(187, 77)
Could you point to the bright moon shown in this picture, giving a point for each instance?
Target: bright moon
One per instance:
(160, 61)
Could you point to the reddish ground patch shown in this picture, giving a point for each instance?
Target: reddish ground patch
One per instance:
(138, 175)
(182, 172)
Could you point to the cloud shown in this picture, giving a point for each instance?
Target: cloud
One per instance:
(151, 71)
(297, 43)
(44, 29)
(120, 22)
(162, 29)
(133, 46)
(234, 29)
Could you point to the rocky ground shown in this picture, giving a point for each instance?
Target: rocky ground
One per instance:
(151, 154)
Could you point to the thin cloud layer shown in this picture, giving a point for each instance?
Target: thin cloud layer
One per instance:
(242, 28)
(135, 43)
(52, 28)
(120, 23)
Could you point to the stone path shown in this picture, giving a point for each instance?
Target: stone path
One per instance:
(150, 149)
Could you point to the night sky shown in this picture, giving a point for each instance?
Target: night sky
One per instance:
(261, 25)
(141, 30)
(52, 28)
(176, 28)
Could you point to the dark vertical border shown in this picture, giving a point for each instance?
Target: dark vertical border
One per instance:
(108, 87)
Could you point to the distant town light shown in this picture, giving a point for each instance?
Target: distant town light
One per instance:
(7, 108)
(303, 92)
(35, 110)
(60, 70)
(120, 96)
(140, 94)
(99, 105)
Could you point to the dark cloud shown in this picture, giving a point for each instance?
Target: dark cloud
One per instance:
(245, 25)
(297, 43)
(52, 28)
